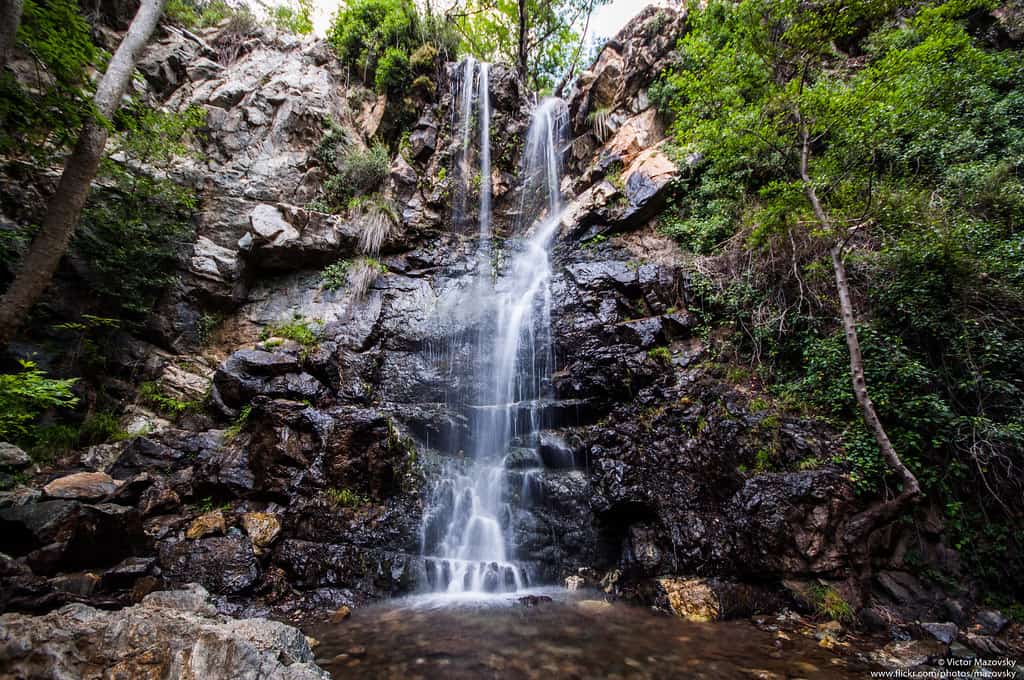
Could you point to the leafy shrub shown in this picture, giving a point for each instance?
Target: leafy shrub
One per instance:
(392, 71)
(660, 355)
(238, 424)
(130, 232)
(334, 276)
(24, 395)
(153, 394)
(202, 13)
(375, 38)
(359, 171)
(44, 119)
(297, 20)
(424, 60)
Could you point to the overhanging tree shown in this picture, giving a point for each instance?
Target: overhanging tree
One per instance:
(540, 37)
(64, 209)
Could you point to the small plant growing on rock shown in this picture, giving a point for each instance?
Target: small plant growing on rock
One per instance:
(829, 604)
(364, 273)
(239, 423)
(334, 276)
(346, 498)
(298, 329)
(153, 394)
(378, 217)
(661, 355)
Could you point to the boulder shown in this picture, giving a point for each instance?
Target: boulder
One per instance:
(166, 636)
(223, 564)
(285, 237)
(712, 599)
(63, 535)
(13, 457)
(943, 632)
(250, 373)
(263, 529)
(205, 525)
(83, 486)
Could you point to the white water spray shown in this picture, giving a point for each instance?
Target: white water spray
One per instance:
(465, 539)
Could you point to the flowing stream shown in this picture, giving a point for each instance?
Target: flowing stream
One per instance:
(468, 518)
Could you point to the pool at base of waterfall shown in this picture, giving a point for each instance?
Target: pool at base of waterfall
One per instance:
(552, 634)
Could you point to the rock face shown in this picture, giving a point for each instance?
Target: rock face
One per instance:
(297, 487)
(178, 631)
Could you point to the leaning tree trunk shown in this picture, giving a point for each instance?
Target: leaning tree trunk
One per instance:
(862, 525)
(80, 168)
(521, 49)
(10, 18)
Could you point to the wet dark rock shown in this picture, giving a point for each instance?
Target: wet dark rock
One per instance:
(223, 564)
(943, 632)
(704, 599)
(367, 573)
(144, 454)
(250, 373)
(990, 621)
(533, 600)
(63, 535)
(284, 237)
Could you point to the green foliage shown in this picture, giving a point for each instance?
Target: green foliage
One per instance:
(375, 38)
(424, 60)
(208, 13)
(334, 276)
(131, 231)
(358, 171)
(25, 395)
(346, 498)
(392, 71)
(238, 424)
(829, 604)
(298, 329)
(153, 394)
(489, 30)
(915, 151)
(293, 19)
(44, 118)
(661, 355)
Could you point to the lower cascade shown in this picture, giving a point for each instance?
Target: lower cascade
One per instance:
(471, 508)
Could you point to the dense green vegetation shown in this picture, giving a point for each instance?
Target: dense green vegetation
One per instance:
(551, 47)
(915, 138)
(377, 40)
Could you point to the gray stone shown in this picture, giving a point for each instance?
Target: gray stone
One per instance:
(943, 632)
(990, 621)
(12, 456)
(179, 631)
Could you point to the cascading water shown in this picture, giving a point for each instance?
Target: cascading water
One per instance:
(468, 520)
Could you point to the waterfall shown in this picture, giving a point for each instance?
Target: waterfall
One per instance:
(465, 536)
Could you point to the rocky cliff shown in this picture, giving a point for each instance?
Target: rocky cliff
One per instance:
(298, 486)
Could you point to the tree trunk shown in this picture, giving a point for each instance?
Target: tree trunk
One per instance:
(860, 526)
(10, 18)
(523, 31)
(560, 87)
(80, 168)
